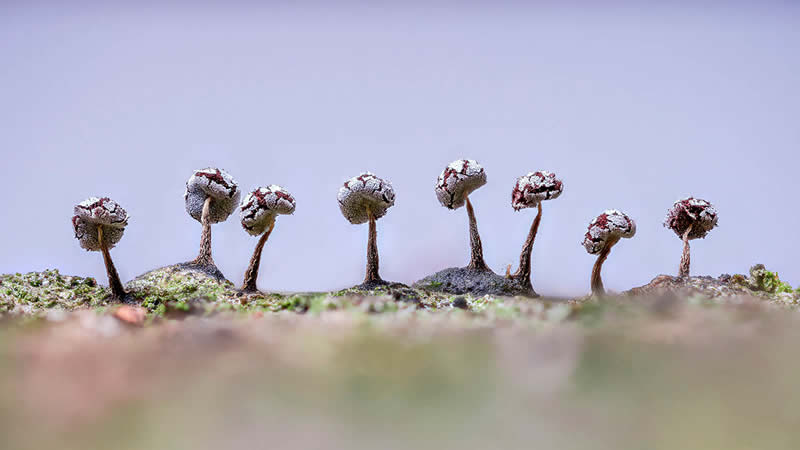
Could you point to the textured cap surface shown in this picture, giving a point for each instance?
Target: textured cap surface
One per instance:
(611, 225)
(457, 181)
(362, 191)
(534, 188)
(698, 213)
(94, 212)
(218, 185)
(260, 207)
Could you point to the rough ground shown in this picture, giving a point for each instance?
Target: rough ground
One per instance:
(698, 363)
(463, 280)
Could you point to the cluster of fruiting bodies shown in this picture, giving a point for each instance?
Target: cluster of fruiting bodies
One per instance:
(212, 195)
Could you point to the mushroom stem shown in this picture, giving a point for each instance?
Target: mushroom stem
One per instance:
(204, 257)
(372, 250)
(523, 273)
(476, 261)
(251, 275)
(117, 291)
(683, 270)
(597, 281)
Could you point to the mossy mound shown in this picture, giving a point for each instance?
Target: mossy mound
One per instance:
(463, 280)
(35, 292)
(761, 284)
(180, 287)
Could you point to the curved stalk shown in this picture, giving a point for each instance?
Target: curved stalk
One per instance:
(251, 275)
(597, 281)
(523, 273)
(117, 291)
(372, 251)
(683, 270)
(476, 261)
(204, 257)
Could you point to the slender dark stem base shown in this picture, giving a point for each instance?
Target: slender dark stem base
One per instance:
(251, 275)
(683, 270)
(117, 291)
(597, 281)
(204, 257)
(372, 251)
(523, 273)
(476, 261)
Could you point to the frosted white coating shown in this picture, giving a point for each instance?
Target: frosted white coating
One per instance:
(457, 181)
(609, 226)
(98, 212)
(260, 207)
(362, 192)
(218, 185)
(535, 187)
(698, 213)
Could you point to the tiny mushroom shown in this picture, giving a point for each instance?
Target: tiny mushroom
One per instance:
(605, 231)
(453, 187)
(258, 212)
(530, 191)
(690, 218)
(366, 198)
(211, 196)
(99, 224)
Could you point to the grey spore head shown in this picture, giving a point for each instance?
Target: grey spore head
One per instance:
(699, 213)
(260, 207)
(535, 187)
(459, 179)
(362, 192)
(98, 212)
(608, 227)
(215, 184)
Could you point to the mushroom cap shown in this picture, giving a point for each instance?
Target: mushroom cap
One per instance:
(691, 211)
(609, 226)
(260, 207)
(98, 212)
(362, 191)
(534, 188)
(218, 185)
(457, 181)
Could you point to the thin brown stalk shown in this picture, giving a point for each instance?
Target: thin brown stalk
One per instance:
(372, 251)
(476, 261)
(523, 273)
(204, 257)
(597, 281)
(683, 270)
(117, 291)
(251, 275)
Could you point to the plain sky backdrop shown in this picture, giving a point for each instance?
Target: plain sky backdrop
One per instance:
(633, 105)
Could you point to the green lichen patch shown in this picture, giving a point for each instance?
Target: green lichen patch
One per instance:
(178, 288)
(35, 292)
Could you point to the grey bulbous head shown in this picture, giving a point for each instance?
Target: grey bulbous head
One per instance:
(535, 187)
(697, 213)
(215, 184)
(607, 228)
(260, 207)
(365, 192)
(459, 179)
(98, 212)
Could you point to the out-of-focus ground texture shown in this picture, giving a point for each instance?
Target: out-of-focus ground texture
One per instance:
(711, 363)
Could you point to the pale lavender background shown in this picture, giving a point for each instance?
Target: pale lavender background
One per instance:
(633, 105)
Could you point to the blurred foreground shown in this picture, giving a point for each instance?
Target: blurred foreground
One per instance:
(654, 373)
